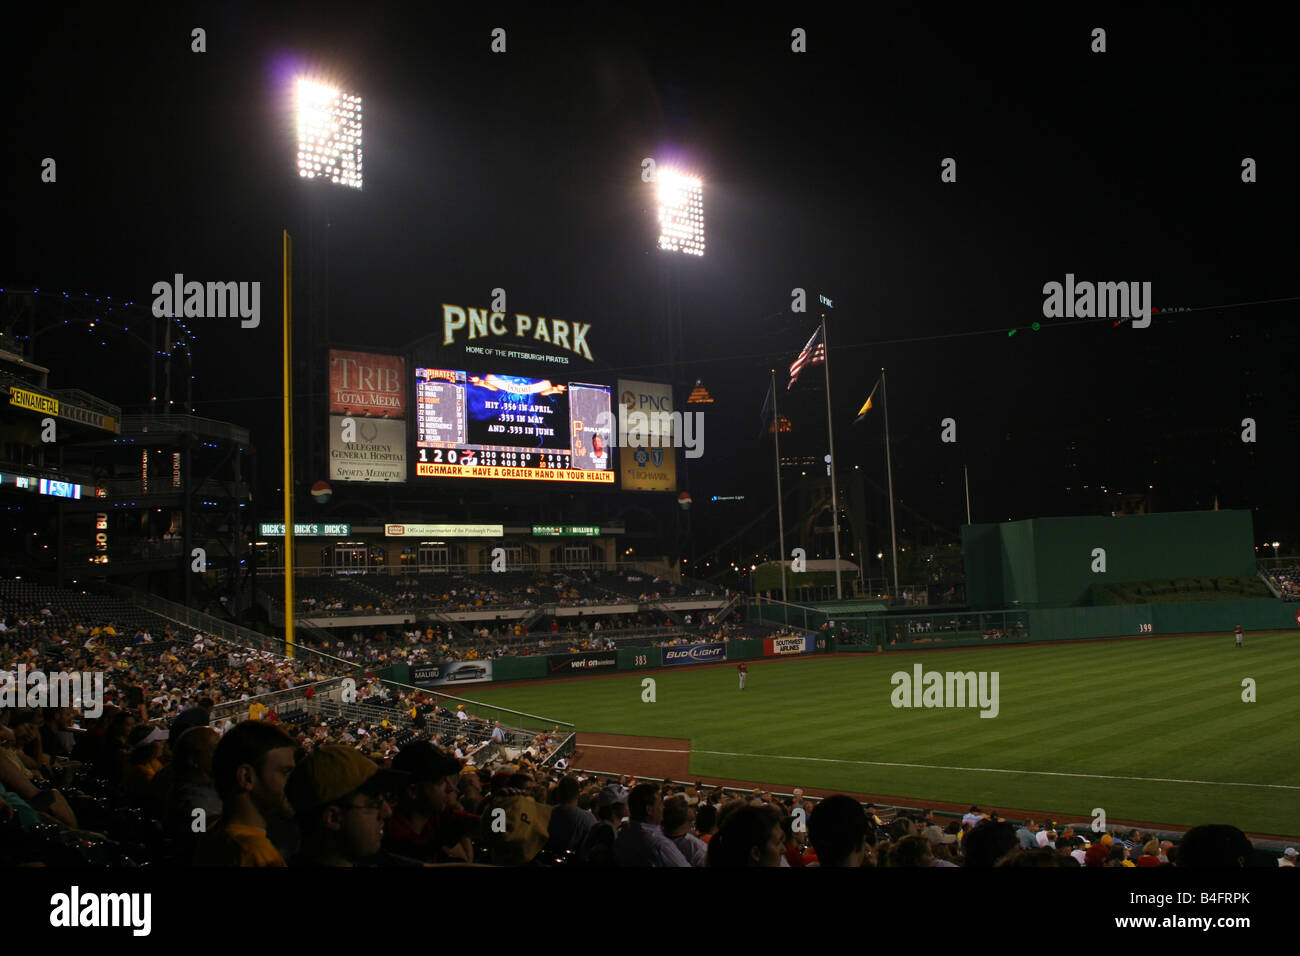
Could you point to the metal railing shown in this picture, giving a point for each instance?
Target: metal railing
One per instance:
(135, 488)
(327, 702)
(280, 701)
(78, 397)
(762, 610)
(209, 427)
(230, 632)
(485, 569)
(942, 627)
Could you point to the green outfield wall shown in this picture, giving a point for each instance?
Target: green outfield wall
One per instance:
(1048, 562)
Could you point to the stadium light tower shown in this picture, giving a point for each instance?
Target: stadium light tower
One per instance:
(680, 201)
(681, 212)
(329, 133)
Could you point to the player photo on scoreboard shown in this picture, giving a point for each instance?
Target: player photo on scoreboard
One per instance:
(589, 412)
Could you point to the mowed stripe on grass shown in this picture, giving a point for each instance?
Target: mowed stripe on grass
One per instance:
(1162, 709)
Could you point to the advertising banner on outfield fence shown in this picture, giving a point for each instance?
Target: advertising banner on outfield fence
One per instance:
(557, 664)
(694, 654)
(457, 672)
(788, 645)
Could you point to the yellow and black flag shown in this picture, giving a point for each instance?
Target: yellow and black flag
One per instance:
(868, 405)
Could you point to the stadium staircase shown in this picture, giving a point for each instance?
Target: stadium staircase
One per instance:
(665, 608)
(1268, 583)
(534, 617)
(722, 612)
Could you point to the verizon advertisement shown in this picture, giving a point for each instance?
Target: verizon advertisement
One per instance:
(559, 664)
(367, 420)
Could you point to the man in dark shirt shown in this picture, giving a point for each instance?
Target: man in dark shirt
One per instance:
(569, 824)
(56, 732)
(422, 823)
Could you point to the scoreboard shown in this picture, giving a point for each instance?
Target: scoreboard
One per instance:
(491, 425)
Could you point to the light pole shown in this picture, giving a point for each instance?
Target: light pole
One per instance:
(329, 148)
(680, 201)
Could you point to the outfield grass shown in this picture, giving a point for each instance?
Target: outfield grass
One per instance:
(1152, 730)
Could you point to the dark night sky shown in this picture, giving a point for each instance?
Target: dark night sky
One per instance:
(822, 171)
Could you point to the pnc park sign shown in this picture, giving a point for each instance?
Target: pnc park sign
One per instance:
(475, 324)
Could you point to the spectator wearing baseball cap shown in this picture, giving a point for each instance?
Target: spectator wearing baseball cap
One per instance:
(1288, 857)
(611, 809)
(424, 802)
(339, 797)
(706, 822)
(250, 768)
(514, 825)
(144, 760)
(191, 788)
(198, 716)
(678, 818)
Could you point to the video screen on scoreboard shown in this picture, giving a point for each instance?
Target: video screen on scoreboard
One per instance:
(493, 425)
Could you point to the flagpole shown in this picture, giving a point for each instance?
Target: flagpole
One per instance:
(893, 538)
(830, 428)
(780, 510)
(967, 474)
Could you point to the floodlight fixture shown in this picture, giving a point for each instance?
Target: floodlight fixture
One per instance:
(681, 212)
(329, 134)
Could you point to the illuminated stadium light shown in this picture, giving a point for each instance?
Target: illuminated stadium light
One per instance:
(681, 213)
(329, 134)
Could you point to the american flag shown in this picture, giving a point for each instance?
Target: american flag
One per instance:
(813, 352)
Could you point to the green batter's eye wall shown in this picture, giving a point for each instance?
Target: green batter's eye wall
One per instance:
(1047, 562)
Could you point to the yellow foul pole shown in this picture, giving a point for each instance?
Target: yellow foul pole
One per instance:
(288, 444)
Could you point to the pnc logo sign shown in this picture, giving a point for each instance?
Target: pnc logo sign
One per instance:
(632, 400)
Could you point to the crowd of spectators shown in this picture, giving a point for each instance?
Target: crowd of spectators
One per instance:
(381, 594)
(156, 672)
(272, 792)
(434, 643)
(1287, 581)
